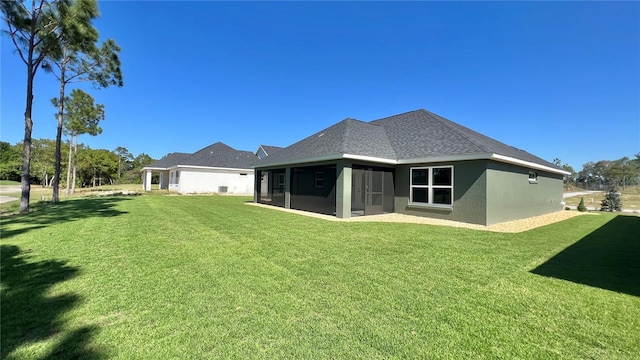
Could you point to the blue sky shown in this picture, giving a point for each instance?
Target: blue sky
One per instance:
(555, 79)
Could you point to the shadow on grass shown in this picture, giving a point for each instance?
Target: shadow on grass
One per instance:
(45, 214)
(607, 258)
(29, 315)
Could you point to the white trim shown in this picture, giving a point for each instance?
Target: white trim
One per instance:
(263, 150)
(153, 168)
(299, 161)
(484, 156)
(430, 186)
(528, 164)
(369, 159)
(433, 159)
(210, 168)
(450, 158)
(327, 158)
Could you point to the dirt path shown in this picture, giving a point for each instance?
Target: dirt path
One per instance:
(6, 199)
(7, 189)
(578, 193)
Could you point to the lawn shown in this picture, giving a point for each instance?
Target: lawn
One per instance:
(194, 277)
(630, 199)
(9, 182)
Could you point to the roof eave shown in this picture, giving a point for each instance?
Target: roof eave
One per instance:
(485, 156)
(529, 164)
(431, 159)
(329, 157)
(200, 167)
(153, 168)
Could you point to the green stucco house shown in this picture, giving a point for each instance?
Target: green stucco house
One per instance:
(416, 163)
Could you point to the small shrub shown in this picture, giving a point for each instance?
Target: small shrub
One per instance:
(581, 206)
(567, 208)
(612, 201)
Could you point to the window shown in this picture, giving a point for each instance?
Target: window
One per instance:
(432, 185)
(319, 179)
(533, 177)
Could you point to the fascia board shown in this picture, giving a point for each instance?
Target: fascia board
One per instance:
(326, 158)
(432, 159)
(176, 167)
(510, 160)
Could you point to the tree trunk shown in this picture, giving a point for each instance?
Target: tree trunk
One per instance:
(25, 182)
(75, 165)
(55, 198)
(69, 164)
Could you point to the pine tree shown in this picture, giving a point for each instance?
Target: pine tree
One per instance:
(612, 201)
(581, 206)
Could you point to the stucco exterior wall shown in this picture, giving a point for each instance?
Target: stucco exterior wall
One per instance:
(198, 181)
(511, 196)
(469, 193)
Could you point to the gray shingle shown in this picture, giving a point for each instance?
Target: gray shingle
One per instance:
(346, 137)
(412, 135)
(271, 149)
(421, 133)
(169, 160)
(220, 155)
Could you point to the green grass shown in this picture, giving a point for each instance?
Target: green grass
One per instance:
(630, 199)
(40, 194)
(9, 182)
(194, 277)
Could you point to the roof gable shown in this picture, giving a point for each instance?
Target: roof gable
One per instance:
(349, 136)
(169, 160)
(270, 150)
(220, 155)
(421, 134)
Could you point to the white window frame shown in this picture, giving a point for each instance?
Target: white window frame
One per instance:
(430, 187)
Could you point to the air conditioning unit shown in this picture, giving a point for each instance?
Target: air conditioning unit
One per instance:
(223, 189)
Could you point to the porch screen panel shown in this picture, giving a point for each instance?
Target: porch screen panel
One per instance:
(313, 189)
(272, 186)
(388, 192)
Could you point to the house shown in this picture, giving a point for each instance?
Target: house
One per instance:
(217, 168)
(416, 163)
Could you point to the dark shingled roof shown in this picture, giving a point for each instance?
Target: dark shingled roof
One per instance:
(346, 137)
(221, 155)
(420, 133)
(169, 160)
(215, 155)
(271, 149)
(412, 135)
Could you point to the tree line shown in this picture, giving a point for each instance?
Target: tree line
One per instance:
(604, 174)
(95, 167)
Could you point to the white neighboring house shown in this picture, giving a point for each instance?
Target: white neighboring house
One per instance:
(217, 168)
